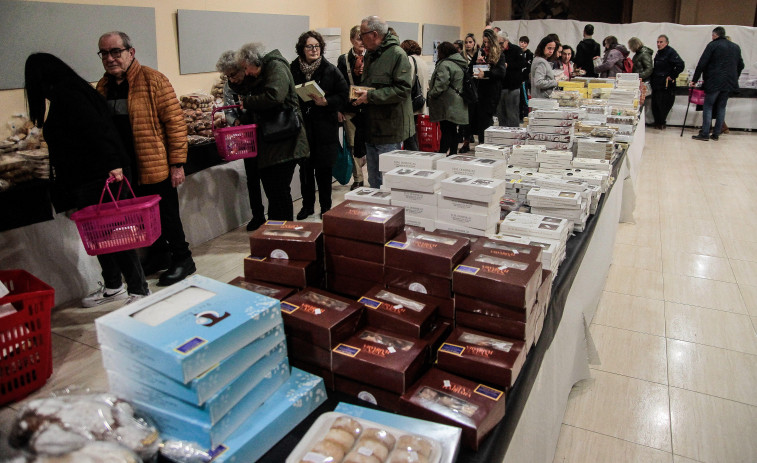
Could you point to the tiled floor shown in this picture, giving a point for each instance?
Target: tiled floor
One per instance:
(675, 329)
(676, 325)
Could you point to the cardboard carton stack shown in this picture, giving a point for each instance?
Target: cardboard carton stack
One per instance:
(370, 195)
(286, 253)
(508, 136)
(487, 150)
(539, 228)
(570, 205)
(409, 159)
(554, 161)
(594, 148)
(470, 205)
(526, 156)
(201, 359)
(542, 103)
(419, 185)
(552, 128)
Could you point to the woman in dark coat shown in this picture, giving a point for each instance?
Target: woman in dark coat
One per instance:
(85, 151)
(321, 120)
(489, 82)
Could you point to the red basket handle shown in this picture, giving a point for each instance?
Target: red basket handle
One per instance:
(107, 187)
(215, 110)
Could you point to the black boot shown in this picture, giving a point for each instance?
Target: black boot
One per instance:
(177, 271)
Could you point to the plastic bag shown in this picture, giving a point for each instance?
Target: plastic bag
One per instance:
(342, 169)
(92, 452)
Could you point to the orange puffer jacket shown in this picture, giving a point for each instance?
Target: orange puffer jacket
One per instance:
(157, 122)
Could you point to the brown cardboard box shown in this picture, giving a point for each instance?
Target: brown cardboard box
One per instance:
(506, 327)
(296, 273)
(343, 265)
(388, 360)
(372, 252)
(519, 252)
(288, 240)
(490, 309)
(369, 393)
(306, 352)
(449, 399)
(446, 304)
(404, 312)
(320, 318)
(418, 282)
(436, 337)
(347, 285)
(499, 280)
(426, 252)
(482, 356)
(264, 288)
(374, 223)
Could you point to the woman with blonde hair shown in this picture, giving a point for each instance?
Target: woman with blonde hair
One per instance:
(490, 79)
(642, 58)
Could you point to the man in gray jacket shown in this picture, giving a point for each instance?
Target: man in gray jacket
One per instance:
(388, 111)
(721, 64)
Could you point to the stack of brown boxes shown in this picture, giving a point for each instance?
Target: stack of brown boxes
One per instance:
(354, 236)
(422, 261)
(286, 253)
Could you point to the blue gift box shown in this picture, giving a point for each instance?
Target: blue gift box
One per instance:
(291, 404)
(188, 327)
(191, 427)
(208, 383)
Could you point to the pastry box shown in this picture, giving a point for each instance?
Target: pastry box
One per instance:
(262, 287)
(413, 197)
(425, 252)
(369, 195)
(372, 252)
(404, 178)
(498, 279)
(368, 393)
(288, 240)
(295, 273)
(404, 312)
(343, 265)
(319, 317)
(305, 351)
(472, 166)
(424, 211)
(374, 223)
(501, 326)
(348, 285)
(479, 189)
(408, 159)
(515, 251)
(419, 282)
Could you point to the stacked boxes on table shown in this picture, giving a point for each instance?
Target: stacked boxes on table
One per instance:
(571, 205)
(526, 156)
(200, 358)
(552, 232)
(369, 195)
(487, 150)
(542, 103)
(508, 136)
(354, 237)
(552, 128)
(554, 161)
(594, 147)
(470, 205)
(286, 253)
(420, 187)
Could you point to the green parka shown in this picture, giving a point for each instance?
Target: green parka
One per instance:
(445, 102)
(643, 63)
(273, 88)
(389, 113)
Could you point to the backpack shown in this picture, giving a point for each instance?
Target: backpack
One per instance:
(468, 90)
(416, 93)
(627, 65)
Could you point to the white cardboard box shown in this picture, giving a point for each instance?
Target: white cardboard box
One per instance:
(463, 229)
(471, 219)
(370, 195)
(404, 178)
(484, 190)
(426, 224)
(425, 211)
(414, 197)
(409, 159)
(472, 166)
(458, 204)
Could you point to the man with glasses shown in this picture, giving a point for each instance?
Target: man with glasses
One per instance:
(388, 110)
(151, 124)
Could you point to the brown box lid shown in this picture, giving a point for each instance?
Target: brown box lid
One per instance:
(287, 272)
(288, 240)
(368, 393)
(515, 251)
(343, 265)
(490, 309)
(400, 311)
(319, 317)
(482, 356)
(264, 288)
(505, 327)
(498, 279)
(418, 282)
(348, 285)
(425, 252)
(388, 360)
(374, 223)
(372, 252)
(307, 352)
(446, 398)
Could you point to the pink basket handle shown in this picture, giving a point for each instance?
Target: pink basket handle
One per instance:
(107, 187)
(220, 108)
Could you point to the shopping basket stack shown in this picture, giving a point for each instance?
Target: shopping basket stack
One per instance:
(26, 359)
(429, 134)
(235, 142)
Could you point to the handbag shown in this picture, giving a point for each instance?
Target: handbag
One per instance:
(342, 170)
(416, 92)
(279, 125)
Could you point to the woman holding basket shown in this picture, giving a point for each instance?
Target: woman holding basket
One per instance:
(85, 151)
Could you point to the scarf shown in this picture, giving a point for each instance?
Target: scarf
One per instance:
(309, 69)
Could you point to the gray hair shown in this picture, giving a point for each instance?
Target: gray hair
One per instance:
(251, 53)
(374, 23)
(228, 62)
(503, 35)
(124, 38)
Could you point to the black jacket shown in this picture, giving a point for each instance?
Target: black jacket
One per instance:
(490, 89)
(667, 63)
(515, 65)
(586, 50)
(321, 123)
(721, 64)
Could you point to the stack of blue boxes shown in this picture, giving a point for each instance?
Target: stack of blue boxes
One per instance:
(207, 362)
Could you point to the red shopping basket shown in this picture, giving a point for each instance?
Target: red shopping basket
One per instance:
(697, 96)
(26, 355)
(235, 142)
(120, 225)
(429, 134)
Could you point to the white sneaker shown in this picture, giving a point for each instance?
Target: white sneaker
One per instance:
(104, 295)
(136, 297)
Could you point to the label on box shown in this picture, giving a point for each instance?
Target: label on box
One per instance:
(216, 452)
(349, 351)
(396, 244)
(488, 392)
(288, 307)
(452, 349)
(190, 345)
(467, 269)
(370, 303)
(275, 222)
(376, 219)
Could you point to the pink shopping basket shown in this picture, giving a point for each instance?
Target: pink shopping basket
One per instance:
(120, 225)
(236, 142)
(429, 134)
(26, 356)
(697, 96)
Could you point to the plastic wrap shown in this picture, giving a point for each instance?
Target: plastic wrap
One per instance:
(91, 452)
(177, 451)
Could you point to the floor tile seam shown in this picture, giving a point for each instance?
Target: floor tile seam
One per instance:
(700, 277)
(620, 438)
(636, 295)
(75, 340)
(703, 307)
(717, 397)
(710, 345)
(626, 329)
(592, 367)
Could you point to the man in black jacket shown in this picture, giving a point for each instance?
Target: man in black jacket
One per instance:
(508, 110)
(586, 50)
(667, 65)
(721, 64)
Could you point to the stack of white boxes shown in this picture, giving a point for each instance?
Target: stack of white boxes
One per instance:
(553, 251)
(597, 178)
(570, 205)
(470, 205)
(526, 156)
(487, 150)
(409, 159)
(554, 161)
(508, 136)
(538, 227)
(201, 359)
(594, 148)
(370, 195)
(542, 103)
(552, 128)
(415, 190)
(626, 125)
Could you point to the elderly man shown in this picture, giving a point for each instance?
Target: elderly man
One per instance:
(721, 64)
(508, 110)
(151, 124)
(389, 113)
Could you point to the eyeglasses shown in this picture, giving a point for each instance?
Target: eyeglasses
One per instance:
(312, 47)
(115, 53)
(363, 33)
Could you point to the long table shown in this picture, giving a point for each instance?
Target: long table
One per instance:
(537, 402)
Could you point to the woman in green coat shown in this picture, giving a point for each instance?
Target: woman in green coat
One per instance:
(643, 62)
(445, 101)
(271, 90)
